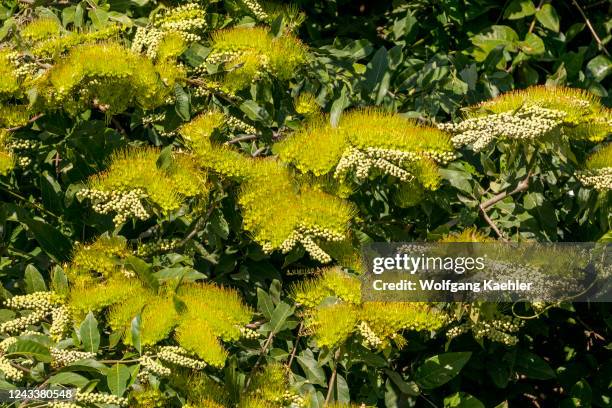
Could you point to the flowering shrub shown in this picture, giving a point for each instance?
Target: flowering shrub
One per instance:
(185, 189)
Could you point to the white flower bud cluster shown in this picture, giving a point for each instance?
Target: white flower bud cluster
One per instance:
(151, 366)
(60, 321)
(10, 372)
(6, 343)
(124, 204)
(528, 123)
(249, 334)
(370, 339)
(305, 235)
(389, 161)
(151, 248)
(237, 124)
(599, 179)
(43, 301)
(41, 304)
(61, 357)
(62, 404)
(153, 118)
(99, 398)
(21, 144)
(24, 161)
(255, 8)
(171, 21)
(178, 356)
(292, 399)
(147, 39)
(498, 330)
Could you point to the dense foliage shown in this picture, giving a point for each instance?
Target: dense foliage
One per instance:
(185, 189)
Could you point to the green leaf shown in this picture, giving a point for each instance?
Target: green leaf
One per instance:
(164, 160)
(600, 67)
(78, 16)
(183, 103)
(31, 349)
(135, 332)
(52, 196)
(53, 242)
(59, 281)
(253, 110)
(492, 37)
(117, 379)
(143, 270)
(581, 391)
(548, 17)
(90, 336)
(458, 179)
(98, 17)
(462, 400)
(69, 378)
(376, 69)
(34, 281)
(439, 369)
(533, 366)
(314, 373)
(518, 9)
(338, 106)
(533, 45)
(279, 316)
(407, 388)
(264, 303)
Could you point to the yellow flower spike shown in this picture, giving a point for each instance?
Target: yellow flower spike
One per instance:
(317, 148)
(198, 337)
(601, 158)
(330, 281)
(41, 29)
(55, 46)
(467, 235)
(104, 74)
(206, 393)
(333, 325)
(9, 82)
(97, 296)
(7, 162)
(306, 104)
(101, 256)
(14, 115)
(271, 383)
(260, 53)
(221, 308)
(134, 180)
(158, 317)
(171, 46)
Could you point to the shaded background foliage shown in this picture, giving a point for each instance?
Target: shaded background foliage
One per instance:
(425, 59)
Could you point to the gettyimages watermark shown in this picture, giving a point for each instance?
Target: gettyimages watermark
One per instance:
(496, 272)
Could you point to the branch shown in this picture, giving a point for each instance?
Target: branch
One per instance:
(264, 349)
(297, 340)
(593, 32)
(332, 379)
(522, 186)
(532, 26)
(241, 139)
(31, 120)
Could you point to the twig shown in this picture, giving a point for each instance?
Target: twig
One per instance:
(241, 139)
(332, 379)
(120, 128)
(31, 120)
(263, 351)
(522, 186)
(532, 26)
(593, 32)
(199, 224)
(258, 151)
(297, 340)
(6, 188)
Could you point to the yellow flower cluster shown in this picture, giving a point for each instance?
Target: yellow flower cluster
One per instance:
(367, 142)
(133, 184)
(213, 313)
(377, 323)
(108, 76)
(279, 212)
(7, 160)
(248, 54)
(60, 40)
